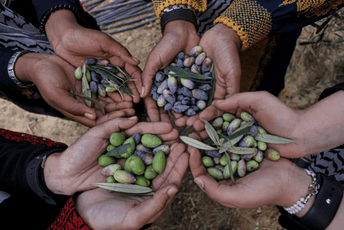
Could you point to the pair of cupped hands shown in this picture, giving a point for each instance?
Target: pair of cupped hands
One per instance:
(73, 44)
(76, 168)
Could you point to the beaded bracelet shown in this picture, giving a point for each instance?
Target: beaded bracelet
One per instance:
(52, 10)
(312, 190)
(178, 7)
(10, 69)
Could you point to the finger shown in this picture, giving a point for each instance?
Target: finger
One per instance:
(71, 105)
(150, 127)
(147, 210)
(240, 100)
(105, 129)
(152, 109)
(135, 73)
(118, 106)
(210, 113)
(181, 122)
(173, 135)
(153, 64)
(119, 51)
(116, 97)
(196, 166)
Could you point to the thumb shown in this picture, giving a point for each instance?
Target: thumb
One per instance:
(151, 207)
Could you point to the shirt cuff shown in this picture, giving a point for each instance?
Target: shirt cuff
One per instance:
(251, 21)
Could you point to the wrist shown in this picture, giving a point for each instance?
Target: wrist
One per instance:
(297, 187)
(57, 24)
(184, 17)
(52, 174)
(181, 28)
(229, 33)
(24, 67)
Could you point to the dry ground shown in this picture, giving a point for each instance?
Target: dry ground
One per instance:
(313, 68)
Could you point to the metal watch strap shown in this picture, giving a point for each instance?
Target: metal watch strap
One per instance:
(10, 69)
(34, 176)
(178, 14)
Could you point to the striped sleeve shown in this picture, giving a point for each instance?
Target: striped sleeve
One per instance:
(253, 20)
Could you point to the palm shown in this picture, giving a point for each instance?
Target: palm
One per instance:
(104, 210)
(219, 46)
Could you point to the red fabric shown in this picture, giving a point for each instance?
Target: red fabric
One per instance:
(34, 140)
(69, 219)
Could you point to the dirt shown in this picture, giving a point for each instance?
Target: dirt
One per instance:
(312, 69)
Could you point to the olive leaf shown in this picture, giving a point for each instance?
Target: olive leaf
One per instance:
(241, 150)
(230, 167)
(240, 131)
(119, 150)
(214, 136)
(268, 138)
(186, 73)
(86, 91)
(196, 144)
(101, 107)
(125, 188)
(212, 90)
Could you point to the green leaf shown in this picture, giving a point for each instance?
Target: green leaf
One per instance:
(113, 77)
(119, 150)
(86, 91)
(268, 138)
(125, 188)
(241, 130)
(186, 73)
(212, 90)
(208, 141)
(214, 136)
(196, 144)
(92, 100)
(230, 167)
(241, 150)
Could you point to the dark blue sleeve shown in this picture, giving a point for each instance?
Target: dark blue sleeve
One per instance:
(5, 80)
(45, 8)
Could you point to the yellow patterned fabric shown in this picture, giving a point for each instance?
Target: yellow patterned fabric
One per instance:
(160, 5)
(251, 21)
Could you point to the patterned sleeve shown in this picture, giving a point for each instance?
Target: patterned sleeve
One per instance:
(160, 5)
(17, 152)
(69, 218)
(253, 20)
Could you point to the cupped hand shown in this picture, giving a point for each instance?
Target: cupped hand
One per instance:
(54, 78)
(222, 45)
(76, 44)
(103, 210)
(273, 183)
(77, 167)
(273, 115)
(179, 36)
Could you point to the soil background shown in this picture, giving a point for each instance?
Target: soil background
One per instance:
(313, 68)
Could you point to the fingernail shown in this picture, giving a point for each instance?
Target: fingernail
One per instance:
(142, 91)
(131, 118)
(88, 115)
(200, 183)
(220, 101)
(171, 192)
(135, 58)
